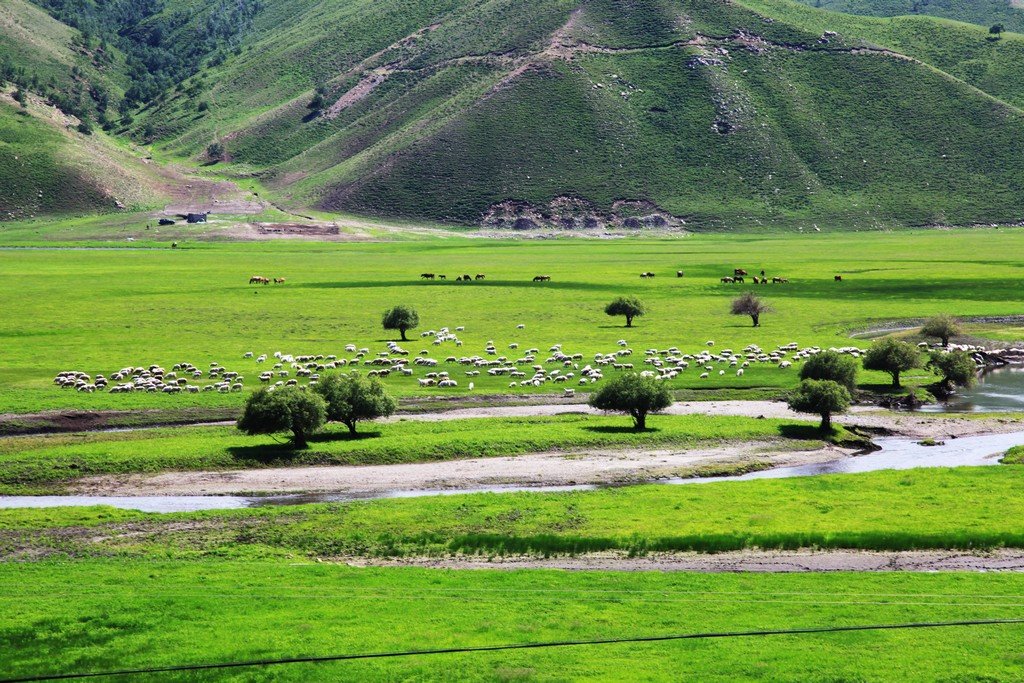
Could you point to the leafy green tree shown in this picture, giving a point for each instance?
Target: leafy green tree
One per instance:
(996, 29)
(84, 127)
(216, 152)
(400, 318)
(630, 306)
(351, 398)
(834, 366)
(821, 397)
(284, 409)
(319, 100)
(956, 368)
(750, 304)
(942, 327)
(634, 395)
(19, 97)
(892, 356)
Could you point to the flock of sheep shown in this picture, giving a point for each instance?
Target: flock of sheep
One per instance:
(528, 368)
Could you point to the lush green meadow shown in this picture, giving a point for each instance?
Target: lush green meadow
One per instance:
(886, 510)
(100, 310)
(116, 615)
(42, 463)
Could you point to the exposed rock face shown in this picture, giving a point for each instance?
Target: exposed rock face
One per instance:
(573, 213)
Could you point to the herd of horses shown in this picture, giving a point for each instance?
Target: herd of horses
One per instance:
(260, 280)
(461, 278)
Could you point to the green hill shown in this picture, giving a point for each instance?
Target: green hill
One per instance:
(513, 113)
(982, 12)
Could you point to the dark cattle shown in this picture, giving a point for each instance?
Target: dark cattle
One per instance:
(679, 273)
(647, 274)
(443, 277)
(542, 278)
(458, 279)
(756, 281)
(466, 278)
(727, 280)
(174, 245)
(838, 278)
(427, 276)
(739, 271)
(196, 217)
(479, 276)
(738, 279)
(165, 221)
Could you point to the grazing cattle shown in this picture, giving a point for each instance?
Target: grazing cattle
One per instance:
(467, 278)
(174, 245)
(458, 279)
(259, 280)
(479, 276)
(427, 276)
(780, 280)
(727, 280)
(756, 281)
(278, 280)
(738, 279)
(838, 278)
(443, 277)
(646, 274)
(679, 273)
(739, 271)
(542, 278)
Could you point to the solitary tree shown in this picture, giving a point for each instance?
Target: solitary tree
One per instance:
(215, 152)
(351, 398)
(941, 326)
(956, 368)
(629, 306)
(996, 29)
(750, 304)
(285, 409)
(834, 366)
(634, 395)
(821, 397)
(892, 356)
(400, 318)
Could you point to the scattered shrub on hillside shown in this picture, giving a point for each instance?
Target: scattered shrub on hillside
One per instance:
(319, 100)
(20, 98)
(834, 366)
(820, 397)
(750, 304)
(400, 318)
(216, 152)
(941, 327)
(956, 368)
(892, 356)
(631, 307)
(203, 106)
(84, 127)
(634, 395)
(351, 398)
(284, 409)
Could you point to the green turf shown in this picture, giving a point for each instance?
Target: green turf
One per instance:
(886, 510)
(101, 310)
(116, 615)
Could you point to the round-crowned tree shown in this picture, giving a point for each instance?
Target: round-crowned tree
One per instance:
(956, 368)
(892, 356)
(284, 409)
(832, 365)
(821, 397)
(633, 395)
(750, 304)
(401, 318)
(942, 327)
(628, 306)
(351, 398)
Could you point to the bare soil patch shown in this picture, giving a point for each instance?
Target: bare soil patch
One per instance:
(740, 561)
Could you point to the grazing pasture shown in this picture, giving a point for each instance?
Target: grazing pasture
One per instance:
(122, 614)
(98, 311)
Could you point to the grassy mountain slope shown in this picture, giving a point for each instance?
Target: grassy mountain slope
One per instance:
(48, 168)
(981, 12)
(583, 112)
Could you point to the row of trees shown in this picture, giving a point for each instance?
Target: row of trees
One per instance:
(345, 398)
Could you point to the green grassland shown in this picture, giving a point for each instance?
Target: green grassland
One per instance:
(115, 615)
(98, 310)
(885, 510)
(982, 12)
(43, 463)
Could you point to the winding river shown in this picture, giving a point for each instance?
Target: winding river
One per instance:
(897, 453)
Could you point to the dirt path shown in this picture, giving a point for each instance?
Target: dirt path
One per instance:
(547, 469)
(740, 561)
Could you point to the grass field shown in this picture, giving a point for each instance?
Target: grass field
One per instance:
(153, 613)
(100, 310)
(43, 463)
(886, 510)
